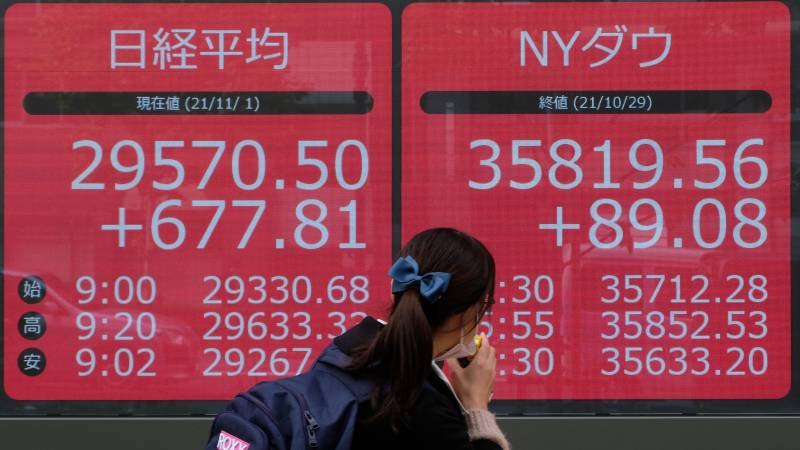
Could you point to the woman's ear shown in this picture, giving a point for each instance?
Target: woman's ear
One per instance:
(462, 318)
(469, 316)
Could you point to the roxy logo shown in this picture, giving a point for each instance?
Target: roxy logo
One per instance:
(230, 442)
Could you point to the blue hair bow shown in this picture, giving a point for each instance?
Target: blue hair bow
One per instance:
(405, 272)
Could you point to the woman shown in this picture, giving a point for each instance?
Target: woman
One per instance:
(443, 284)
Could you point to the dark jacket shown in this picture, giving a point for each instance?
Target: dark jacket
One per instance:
(436, 420)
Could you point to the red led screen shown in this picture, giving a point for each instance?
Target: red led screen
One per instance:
(196, 195)
(628, 164)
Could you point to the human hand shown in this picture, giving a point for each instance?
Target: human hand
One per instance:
(474, 384)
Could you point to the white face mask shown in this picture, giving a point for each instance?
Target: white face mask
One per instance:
(460, 350)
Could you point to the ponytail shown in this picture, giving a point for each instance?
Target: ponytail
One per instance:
(404, 347)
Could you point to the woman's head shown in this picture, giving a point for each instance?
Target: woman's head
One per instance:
(405, 346)
(471, 268)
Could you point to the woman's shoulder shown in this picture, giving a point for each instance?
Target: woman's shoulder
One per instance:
(437, 391)
(434, 421)
(434, 403)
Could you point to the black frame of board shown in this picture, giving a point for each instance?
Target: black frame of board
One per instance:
(788, 405)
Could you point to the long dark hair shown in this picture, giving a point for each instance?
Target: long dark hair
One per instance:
(400, 355)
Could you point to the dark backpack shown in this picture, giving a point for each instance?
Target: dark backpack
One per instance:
(316, 409)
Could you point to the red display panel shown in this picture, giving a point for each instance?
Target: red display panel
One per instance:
(628, 165)
(196, 195)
